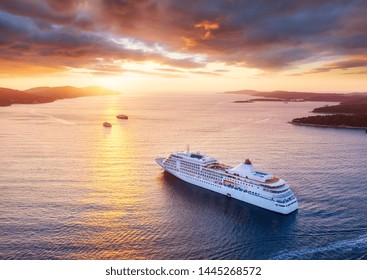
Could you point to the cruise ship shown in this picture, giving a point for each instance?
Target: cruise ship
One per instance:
(241, 182)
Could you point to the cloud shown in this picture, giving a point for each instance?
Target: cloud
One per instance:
(60, 12)
(267, 35)
(22, 41)
(346, 64)
(109, 72)
(170, 70)
(222, 70)
(206, 73)
(340, 65)
(208, 27)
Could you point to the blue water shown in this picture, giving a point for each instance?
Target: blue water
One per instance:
(72, 189)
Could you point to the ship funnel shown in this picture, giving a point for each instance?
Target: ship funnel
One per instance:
(243, 169)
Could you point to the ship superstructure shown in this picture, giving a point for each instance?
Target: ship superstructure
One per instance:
(241, 182)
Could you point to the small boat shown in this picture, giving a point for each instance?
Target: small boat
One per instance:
(107, 124)
(122, 116)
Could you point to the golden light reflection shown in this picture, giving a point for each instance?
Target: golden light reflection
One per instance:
(114, 192)
(113, 147)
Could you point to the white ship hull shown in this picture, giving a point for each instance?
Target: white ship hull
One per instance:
(230, 192)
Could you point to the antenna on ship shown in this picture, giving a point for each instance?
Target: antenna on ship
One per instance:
(188, 148)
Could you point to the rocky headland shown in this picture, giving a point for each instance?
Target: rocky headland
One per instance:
(48, 94)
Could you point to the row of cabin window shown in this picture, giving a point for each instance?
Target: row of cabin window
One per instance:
(201, 173)
(271, 191)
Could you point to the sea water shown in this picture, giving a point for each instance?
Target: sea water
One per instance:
(73, 189)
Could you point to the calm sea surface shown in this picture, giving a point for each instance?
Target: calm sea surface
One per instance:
(72, 189)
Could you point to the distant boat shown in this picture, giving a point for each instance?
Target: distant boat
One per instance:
(122, 116)
(107, 124)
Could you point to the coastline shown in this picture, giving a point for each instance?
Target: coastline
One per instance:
(268, 100)
(34, 102)
(41, 95)
(329, 126)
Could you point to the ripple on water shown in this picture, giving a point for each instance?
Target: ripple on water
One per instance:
(72, 190)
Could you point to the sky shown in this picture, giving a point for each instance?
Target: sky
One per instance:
(185, 46)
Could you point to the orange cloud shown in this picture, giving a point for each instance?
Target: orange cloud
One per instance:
(208, 27)
(30, 69)
(188, 43)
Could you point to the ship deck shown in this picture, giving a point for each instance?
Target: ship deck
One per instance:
(219, 166)
(272, 181)
(223, 167)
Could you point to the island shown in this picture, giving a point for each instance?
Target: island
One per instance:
(351, 112)
(268, 100)
(343, 108)
(297, 96)
(48, 94)
(338, 121)
(347, 114)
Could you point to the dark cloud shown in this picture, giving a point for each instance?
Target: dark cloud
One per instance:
(64, 5)
(37, 10)
(63, 46)
(260, 34)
